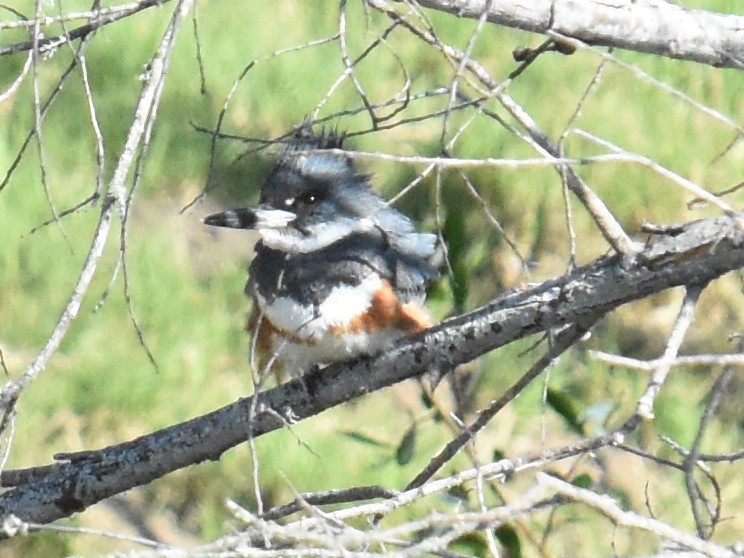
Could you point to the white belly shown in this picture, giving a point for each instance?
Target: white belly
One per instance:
(306, 335)
(299, 358)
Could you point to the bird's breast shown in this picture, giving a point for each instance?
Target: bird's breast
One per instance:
(309, 317)
(350, 321)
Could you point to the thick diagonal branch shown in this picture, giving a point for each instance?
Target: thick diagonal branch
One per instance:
(697, 253)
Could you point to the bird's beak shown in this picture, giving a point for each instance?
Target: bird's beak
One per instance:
(260, 217)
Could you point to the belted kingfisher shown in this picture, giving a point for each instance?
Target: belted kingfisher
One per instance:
(337, 272)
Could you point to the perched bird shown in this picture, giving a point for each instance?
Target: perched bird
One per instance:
(337, 272)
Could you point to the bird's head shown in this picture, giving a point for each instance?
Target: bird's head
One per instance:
(314, 196)
(311, 198)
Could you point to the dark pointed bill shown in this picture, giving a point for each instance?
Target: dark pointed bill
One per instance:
(251, 218)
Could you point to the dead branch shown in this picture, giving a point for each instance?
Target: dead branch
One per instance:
(97, 20)
(700, 252)
(649, 26)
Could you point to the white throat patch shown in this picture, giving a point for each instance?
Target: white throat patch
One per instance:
(322, 235)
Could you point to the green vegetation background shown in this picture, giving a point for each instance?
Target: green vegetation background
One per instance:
(187, 281)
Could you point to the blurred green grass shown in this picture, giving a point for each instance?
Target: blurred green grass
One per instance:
(186, 281)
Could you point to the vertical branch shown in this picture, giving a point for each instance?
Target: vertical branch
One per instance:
(146, 109)
(644, 410)
(691, 459)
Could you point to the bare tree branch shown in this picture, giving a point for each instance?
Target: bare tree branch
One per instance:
(537, 138)
(699, 252)
(469, 106)
(99, 19)
(612, 510)
(650, 26)
(115, 196)
(562, 342)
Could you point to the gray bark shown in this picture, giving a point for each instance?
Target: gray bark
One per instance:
(649, 26)
(692, 254)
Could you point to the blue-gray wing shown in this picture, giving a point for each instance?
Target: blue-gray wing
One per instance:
(309, 277)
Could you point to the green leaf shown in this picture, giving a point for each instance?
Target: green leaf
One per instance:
(471, 544)
(562, 403)
(364, 439)
(426, 400)
(539, 230)
(509, 539)
(582, 481)
(404, 451)
(455, 231)
(428, 403)
(622, 497)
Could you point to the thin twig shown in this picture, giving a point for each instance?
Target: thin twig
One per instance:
(691, 459)
(50, 44)
(116, 194)
(608, 507)
(686, 314)
(563, 340)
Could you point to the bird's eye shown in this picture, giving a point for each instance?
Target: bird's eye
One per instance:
(309, 198)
